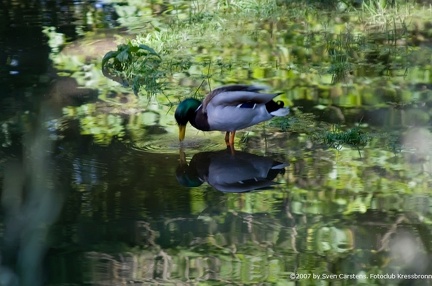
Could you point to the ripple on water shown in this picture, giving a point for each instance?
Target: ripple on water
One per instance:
(173, 145)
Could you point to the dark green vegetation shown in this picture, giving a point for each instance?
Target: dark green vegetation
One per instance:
(353, 137)
(139, 63)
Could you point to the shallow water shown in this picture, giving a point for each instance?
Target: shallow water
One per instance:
(100, 192)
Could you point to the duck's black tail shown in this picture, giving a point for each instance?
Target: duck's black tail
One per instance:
(276, 108)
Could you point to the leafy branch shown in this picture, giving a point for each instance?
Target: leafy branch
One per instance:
(135, 65)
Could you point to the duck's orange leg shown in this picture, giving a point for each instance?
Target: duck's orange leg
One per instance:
(231, 142)
(231, 138)
(227, 135)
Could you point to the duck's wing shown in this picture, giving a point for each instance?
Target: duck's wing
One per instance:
(237, 94)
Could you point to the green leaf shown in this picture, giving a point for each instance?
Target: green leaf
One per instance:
(108, 56)
(123, 56)
(150, 50)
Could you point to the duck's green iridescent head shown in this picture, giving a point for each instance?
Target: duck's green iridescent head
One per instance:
(187, 176)
(185, 112)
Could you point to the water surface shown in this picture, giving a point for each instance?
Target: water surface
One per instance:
(97, 190)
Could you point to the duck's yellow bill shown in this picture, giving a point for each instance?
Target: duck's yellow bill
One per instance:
(182, 131)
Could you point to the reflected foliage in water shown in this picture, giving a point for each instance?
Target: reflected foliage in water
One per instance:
(94, 190)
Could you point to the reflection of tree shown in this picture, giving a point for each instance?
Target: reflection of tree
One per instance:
(233, 246)
(32, 201)
(105, 123)
(311, 173)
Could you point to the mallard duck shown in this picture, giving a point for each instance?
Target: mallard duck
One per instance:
(228, 108)
(243, 172)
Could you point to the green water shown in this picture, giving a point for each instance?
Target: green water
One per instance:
(97, 190)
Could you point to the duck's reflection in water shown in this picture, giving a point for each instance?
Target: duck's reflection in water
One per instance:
(242, 172)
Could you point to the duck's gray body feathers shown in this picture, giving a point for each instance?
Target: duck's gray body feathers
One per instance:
(236, 107)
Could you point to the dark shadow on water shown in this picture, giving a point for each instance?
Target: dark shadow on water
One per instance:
(229, 173)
